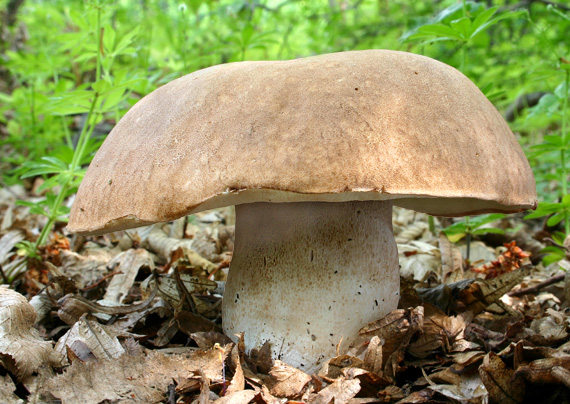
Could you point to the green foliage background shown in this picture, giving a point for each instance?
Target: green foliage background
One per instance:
(69, 69)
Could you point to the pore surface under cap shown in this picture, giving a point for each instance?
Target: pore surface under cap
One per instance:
(360, 125)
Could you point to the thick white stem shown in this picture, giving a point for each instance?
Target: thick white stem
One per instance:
(306, 275)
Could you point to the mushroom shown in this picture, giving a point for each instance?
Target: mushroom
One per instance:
(313, 152)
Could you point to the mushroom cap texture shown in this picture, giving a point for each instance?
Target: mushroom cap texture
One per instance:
(359, 125)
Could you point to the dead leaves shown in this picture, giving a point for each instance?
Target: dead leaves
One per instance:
(396, 330)
(22, 351)
(464, 350)
(287, 381)
(88, 338)
(139, 379)
(499, 381)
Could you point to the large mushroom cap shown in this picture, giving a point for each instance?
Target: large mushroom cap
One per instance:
(362, 125)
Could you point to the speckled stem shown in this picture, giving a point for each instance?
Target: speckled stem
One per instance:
(306, 275)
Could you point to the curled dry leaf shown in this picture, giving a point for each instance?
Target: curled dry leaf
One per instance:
(418, 260)
(261, 358)
(210, 363)
(464, 360)
(72, 307)
(204, 397)
(465, 388)
(22, 351)
(9, 262)
(265, 397)
(332, 368)
(391, 394)
(99, 339)
(473, 295)
(286, 381)
(550, 329)
(540, 371)
(161, 244)
(480, 294)
(208, 242)
(396, 330)
(190, 323)
(340, 392)
(418, 397)
(238, 380)
(499, 381)
(373, 356)
(370, 383)
(127, 265)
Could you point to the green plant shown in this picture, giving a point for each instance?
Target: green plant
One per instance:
(554, 150)
(63, 170)
(463, 23)
(77, 51)
(472, 226)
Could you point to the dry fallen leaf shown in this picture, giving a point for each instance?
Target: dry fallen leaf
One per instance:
(127, 265)
(466, 387)
(286, 381)
(209, 362)
(22, 351)
(167, 287)
(396, 330)
(339, 392)
(550, 329)
(540, 370)
(373, 356)
(333, 367)
(7, 391)
(498, 379)
(7, 243)
(140, 379)
(237, 397)
(238, 381)
(85, 269)
(480, 294)
(98, 338)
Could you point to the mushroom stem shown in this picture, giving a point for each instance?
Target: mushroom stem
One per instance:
(305, 276)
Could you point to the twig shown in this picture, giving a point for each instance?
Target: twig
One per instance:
(171, 393)
(91, 307)
(537, 288)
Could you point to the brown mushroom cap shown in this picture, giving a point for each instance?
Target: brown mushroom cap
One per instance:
(362, 125)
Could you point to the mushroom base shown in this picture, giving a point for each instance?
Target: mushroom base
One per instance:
(307, 276)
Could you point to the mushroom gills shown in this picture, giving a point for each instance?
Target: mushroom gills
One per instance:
(307, 275)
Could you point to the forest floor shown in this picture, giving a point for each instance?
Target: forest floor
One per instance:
(135, 317)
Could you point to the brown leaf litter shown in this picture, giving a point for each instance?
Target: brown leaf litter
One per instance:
(136, 317)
